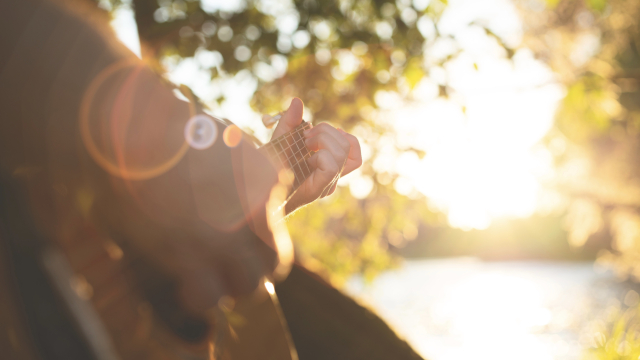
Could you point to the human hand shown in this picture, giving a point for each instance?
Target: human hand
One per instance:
(337, 154)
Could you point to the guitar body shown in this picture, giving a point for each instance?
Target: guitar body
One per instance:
(84, 301)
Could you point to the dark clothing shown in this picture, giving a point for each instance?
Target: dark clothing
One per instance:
(186, 222)
(97, 141)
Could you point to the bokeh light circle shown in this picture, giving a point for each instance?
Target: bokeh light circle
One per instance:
(232, 136)
(200, 132)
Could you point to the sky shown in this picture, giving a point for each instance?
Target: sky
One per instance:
(481, 164)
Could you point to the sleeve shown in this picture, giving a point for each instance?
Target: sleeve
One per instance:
(99, 140)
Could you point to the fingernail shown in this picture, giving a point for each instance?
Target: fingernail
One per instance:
(307, 132)
(291, 103)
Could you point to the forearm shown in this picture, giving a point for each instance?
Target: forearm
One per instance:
(100, 138)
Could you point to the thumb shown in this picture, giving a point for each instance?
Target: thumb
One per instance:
(290, 119)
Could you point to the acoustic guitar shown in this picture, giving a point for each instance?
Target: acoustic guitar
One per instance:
(107, 312)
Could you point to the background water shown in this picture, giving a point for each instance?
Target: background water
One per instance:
(464, 308)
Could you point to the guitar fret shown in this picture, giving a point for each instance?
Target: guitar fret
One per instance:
(297, 178)
(278, 151)
(290, 151)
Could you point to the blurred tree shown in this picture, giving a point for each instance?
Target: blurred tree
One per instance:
(594, 47)
(339, 53)
(335, 55)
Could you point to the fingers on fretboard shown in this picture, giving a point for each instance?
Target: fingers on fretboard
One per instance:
(290, 151)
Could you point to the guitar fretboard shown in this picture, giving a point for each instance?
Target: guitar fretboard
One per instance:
(290, 151)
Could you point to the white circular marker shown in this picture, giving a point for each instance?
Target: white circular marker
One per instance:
(200, 132)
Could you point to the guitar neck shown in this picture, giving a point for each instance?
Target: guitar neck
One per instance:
(290, 151)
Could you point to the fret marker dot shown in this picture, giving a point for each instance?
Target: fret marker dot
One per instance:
(232, 136)
(200, 132)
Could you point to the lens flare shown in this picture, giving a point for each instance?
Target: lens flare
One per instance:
(200, 132)
(232, 136)
(110, 165)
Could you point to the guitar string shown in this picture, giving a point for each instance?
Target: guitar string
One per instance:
(326, 191)
(297, 157)
(293, 155)
(333, 181)
(307, 153)
(328, 188)
(297, 150)
(301, 145)
(301, 157)
(281, 152)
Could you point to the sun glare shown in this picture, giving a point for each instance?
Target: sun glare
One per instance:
(124, 25)
(481, 161)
